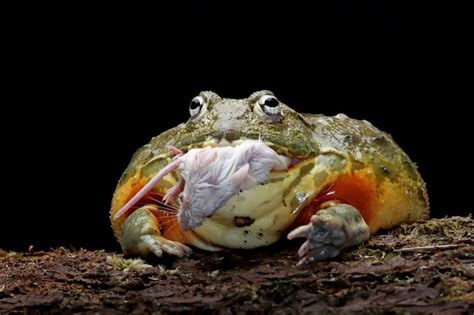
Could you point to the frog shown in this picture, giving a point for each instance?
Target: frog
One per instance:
(246, 173)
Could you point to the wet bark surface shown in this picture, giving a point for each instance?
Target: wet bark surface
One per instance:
(422, 268)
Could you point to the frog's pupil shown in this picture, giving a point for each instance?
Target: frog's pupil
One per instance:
(194, 104)
(271, 102)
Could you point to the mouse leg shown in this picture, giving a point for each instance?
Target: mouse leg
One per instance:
(331, 229)
(146, 231)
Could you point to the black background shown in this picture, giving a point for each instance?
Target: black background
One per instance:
(86, 86)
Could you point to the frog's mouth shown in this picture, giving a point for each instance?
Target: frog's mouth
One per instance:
(210, 176)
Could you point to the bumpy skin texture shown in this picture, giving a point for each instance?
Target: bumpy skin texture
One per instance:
(341, 159)
(398, 185)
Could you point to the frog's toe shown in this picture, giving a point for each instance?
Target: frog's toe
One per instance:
(329, 231)
(157, 245)
(300, 231)
(308, 254)
(322, 237)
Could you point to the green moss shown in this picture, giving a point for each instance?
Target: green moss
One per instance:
(127, 264)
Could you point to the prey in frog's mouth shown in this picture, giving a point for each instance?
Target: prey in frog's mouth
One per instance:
(210, 176)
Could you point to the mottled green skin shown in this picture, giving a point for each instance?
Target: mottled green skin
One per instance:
(347, 180)
(295, 135)
(232, 119)
(364, 143)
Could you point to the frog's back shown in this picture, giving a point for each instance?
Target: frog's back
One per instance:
(391, 181)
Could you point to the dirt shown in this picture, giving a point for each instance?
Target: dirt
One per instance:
(427, 267)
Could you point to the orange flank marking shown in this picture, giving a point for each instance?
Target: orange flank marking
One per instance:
(167, 221)
(149, 198)
(168, 225)
(355, 190)
(134, 190)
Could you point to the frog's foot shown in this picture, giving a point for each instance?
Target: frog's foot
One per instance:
(330, 230)
(141, 235)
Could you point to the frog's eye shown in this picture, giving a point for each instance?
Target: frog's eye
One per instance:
(270, 105)
(196, 105)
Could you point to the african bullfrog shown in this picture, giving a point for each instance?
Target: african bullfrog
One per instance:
(243, 173)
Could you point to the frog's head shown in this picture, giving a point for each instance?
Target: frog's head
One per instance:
(218, 121)
(227, 146)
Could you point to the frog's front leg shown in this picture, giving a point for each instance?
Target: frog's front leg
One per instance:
(331, 229)
(142, 234)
